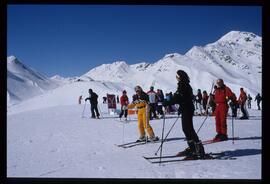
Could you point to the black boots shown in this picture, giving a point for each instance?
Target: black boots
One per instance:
(194, 151)
(199, 149)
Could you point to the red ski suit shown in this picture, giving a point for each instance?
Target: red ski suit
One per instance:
(242, 98)
(221, 96)
(124, 100)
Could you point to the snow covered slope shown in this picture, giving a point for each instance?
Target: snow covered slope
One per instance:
(236, 57)
(23, 82)
(57, 142)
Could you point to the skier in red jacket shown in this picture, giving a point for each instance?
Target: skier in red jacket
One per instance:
(222, 95)
(124, 105)
(242, 102)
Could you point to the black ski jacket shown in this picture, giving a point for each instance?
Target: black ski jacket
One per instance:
(93, 98)
(142, 96)
(183, 96)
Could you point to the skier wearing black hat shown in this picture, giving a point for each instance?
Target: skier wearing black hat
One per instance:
(94, 103)
(183, 96)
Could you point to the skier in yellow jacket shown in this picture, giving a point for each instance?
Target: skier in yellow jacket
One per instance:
(141, 101)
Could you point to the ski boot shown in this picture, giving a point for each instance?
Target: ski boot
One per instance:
(188, 151)
(197, 153)
(154, 138)
(199, 150)
(142, 138)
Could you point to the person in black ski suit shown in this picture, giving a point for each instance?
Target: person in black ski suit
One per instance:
(94, 103)
(258, 98)
(183, 96)
(249, 98)
(160, 97)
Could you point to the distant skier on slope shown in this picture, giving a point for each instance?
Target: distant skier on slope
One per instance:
(222, 95)
(249, 99)
(183, 96)
(234, 105)
(258, 98)
(94, 103)
(80, 99)
(204, 101)
(152, 102)
(198, 99)
(242, 102)
(212, 104)
(160, 97)
(124, 105)
(141, 102)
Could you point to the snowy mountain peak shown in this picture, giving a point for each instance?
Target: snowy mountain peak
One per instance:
(11, 59)
(172, 55)
(119, 63)
(240, 37)
(24, 82)
(234, 58)
(57, 77)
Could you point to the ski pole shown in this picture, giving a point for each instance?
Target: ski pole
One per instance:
(207, 106)
(202, 124)
(147, 120)
(167, 135)
(162, 139)
(123, 134)
(232, 131)
(100, 111)
(83, 109)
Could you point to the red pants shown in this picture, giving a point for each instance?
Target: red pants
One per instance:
(221, 116)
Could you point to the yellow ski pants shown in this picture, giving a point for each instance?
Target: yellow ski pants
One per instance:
(143, 119)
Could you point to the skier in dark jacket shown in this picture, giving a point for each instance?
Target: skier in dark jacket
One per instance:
(94, 103)
(204, 101)
(183, 96)
(258, 98)
(234, 105)
(249, 98)
(160, 101)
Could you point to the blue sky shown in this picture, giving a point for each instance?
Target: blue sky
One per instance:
(69, 40)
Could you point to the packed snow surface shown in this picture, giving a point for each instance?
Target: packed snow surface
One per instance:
(62, 141)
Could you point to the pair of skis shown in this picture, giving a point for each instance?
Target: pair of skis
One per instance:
(174, 158)
(211, 141)
(136, 143)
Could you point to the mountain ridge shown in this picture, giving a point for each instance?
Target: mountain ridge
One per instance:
(238, 64)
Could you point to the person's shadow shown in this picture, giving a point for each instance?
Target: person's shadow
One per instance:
(246, 138)
(240, 153)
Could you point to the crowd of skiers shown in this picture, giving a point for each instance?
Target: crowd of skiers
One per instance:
(150, 105)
